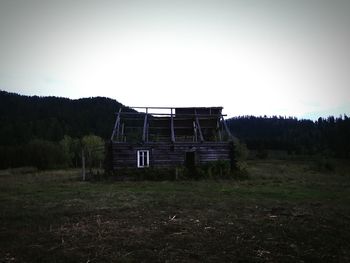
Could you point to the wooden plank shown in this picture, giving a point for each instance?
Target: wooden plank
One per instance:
(166, 155)
(159, 127)
(176, 114)
(199, 110)
(184, 132)
(177, 144)
(165, 108)
(163, 122)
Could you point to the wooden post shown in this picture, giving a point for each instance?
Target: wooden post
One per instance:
(83, 164)
(195, 132)
(222, 128)
(198, 126)
(116, 126)
(147, 131)
(118, 130)
(172, 127)
(199, 129)
(218, 129)
(144, 134)
(122, 133)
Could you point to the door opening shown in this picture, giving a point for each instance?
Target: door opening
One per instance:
(190, 159)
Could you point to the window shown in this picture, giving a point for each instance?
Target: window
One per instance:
(142, 158)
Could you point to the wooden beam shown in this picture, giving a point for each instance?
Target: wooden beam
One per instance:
(199, 129)
(122, 132)
(172, 127)
(218, 130)
(145, 127)
(116, 125)
(147, 132)
(195, 132)
(198, 126)
(176, 115)
(118, 128)
(165, 108)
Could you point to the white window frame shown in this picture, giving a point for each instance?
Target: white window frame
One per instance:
(144, 156)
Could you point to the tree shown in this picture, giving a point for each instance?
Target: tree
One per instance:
(71, 150)
(93, 147)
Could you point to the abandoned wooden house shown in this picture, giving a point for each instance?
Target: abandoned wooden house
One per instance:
(169, 137)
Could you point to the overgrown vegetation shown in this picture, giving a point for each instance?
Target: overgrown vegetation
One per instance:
(212, 170)
(286, 211)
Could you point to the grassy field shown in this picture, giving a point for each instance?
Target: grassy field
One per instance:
(286, 211)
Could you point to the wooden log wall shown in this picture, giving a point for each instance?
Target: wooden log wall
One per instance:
(169, 154)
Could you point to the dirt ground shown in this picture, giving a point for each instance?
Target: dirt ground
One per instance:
(284, 212)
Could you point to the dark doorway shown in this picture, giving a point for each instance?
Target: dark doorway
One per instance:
(190, 159)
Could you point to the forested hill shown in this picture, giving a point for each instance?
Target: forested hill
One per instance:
(24, 118)
(329, 136)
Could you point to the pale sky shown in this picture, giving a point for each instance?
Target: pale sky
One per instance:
(253, 57)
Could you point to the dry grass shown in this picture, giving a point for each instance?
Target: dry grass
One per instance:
(285, 212)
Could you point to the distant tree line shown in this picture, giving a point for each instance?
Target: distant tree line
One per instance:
(328, 136)
(25, 118)
(44, 154)
(48, 132)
